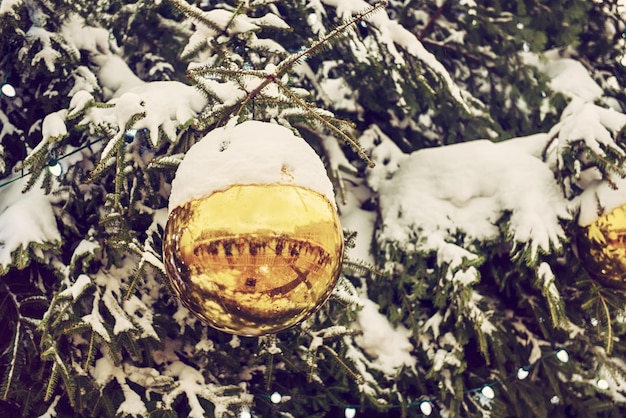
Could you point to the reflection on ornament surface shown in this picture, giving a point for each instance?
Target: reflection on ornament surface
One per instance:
(254, 259)
(602, 246)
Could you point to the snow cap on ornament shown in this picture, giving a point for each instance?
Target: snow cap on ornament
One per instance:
(252, 152)
(253, 243)
(601, 238)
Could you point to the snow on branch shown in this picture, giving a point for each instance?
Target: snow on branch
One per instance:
(587, 134)
(460, 194)
(393, 33)
(547, 282)
(389, 346)
(192, 384)
(593, 126)
(27, 225)
(104, 371)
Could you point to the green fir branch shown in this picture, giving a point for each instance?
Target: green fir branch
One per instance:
(119, 179)
(91, 351)
(129, 342)
(137, 275)
(356, 376)
(240, 9)
(52, 382)
(601, 303)
(196, 14)
(116, 148)
(166, 162)
(302, 55)
(265, 78)
(604, 163)
(13, 367)
(324, 121)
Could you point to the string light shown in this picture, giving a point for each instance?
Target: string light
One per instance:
(602, 384)
(54, 165)
(426, 406)
(245, 414)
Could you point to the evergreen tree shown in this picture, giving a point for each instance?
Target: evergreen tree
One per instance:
(472, 146)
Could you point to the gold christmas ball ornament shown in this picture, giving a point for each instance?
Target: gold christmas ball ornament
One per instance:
(601, 246)
(252, 257)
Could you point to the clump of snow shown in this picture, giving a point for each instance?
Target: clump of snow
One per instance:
(25, 218)
(192, 384)
(590, 124)
(237, 23)
(389, 346)
(384, 152)
(95, 319)
(354, 218)
(567, 75)
(53, 125)
(271, 20)
(79, 36)
(81, 283)
(78, 103)
(583, 122)
(6, 128)
(600, 198)
(162, 106)
(104, 371)
(252, 152)
(51, 411)
(336, 89)
(142, 315)
(47, 53)
(114, 74)
(167, 105)
(9, 6)
(466, 188)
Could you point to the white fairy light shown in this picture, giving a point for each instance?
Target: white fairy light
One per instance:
(426, 408)
(555, 400)
(276, 397)
(55, 168)
(522, 373)
(602, 384)
(350, 412)
(245, 414)
(562, 355)
(488, 392)
(8, 90)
